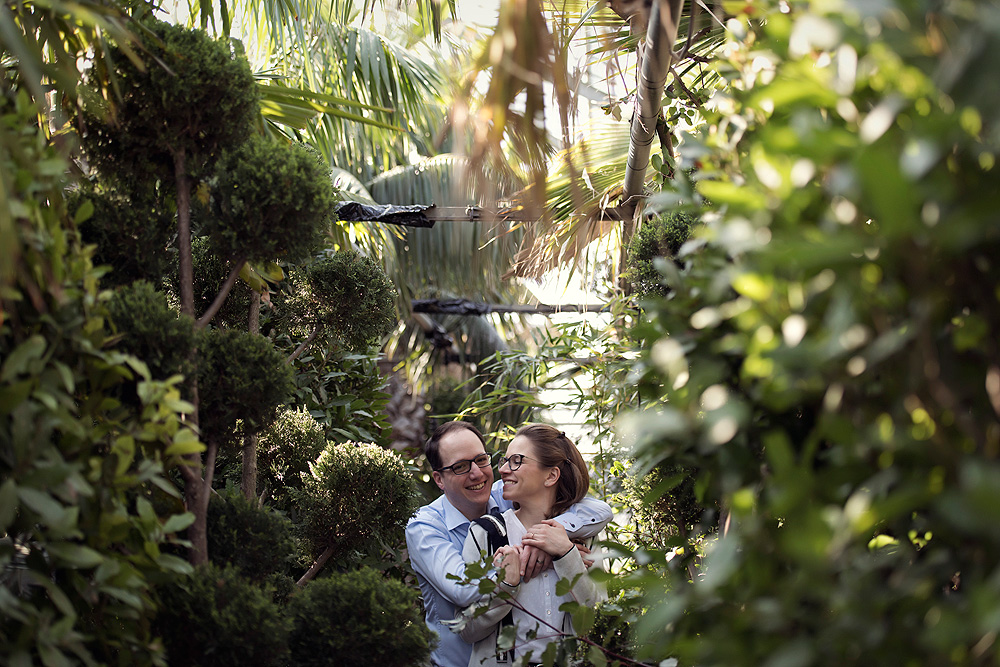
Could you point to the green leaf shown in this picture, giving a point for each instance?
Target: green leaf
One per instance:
(84, 212)
(43, 504)
(74, 555)
(20, 358)
(178, 522)
(505, 640)
(596, 656)
(583, 619)
(14, 395)
(145, 510)
(724, 192)
(184, 446)
(172, 563)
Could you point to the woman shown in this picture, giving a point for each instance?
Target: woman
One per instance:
(543, 474)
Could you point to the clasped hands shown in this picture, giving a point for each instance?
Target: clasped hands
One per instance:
(543, 542)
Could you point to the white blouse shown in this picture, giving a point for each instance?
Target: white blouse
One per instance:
(537, 596)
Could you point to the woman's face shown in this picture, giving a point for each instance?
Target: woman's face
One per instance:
(529, 478)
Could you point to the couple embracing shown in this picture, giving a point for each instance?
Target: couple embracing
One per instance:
(544, 476)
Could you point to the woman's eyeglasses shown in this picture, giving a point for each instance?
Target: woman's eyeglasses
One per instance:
(463, 467)
(514, 460)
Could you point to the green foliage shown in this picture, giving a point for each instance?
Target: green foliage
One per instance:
(345, 393)
(358, 619)
(356, 498)
(210, 272)
(284, 451)
(354, 297)
(196, 97)
(217, 618)
(269, 199)
(152, 330)
(257, 541)
(612, 630)
(664, 507)
(80, 543)
(242, 381)
(132, 233)
(827, 361)
(661, 237)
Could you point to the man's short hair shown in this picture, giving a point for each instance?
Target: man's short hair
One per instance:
(432, 448)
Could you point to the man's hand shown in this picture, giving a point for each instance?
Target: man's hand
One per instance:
(584, 552)
(534, 561)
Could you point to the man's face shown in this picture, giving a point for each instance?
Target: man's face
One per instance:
(469, 493)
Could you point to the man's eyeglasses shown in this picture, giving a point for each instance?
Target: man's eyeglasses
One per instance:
(463, 467)
(514, 460)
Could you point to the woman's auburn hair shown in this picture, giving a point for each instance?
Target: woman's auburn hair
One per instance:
(553, 449)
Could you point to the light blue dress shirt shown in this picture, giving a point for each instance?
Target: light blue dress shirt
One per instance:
(434, 539)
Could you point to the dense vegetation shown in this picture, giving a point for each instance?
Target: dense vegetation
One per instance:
(800, 410)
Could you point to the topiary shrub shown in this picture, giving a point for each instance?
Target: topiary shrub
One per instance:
(255, 540)
(244, 397)
(132, 233)
(284, 451)
(659, 237)
(217, 618)
(194, 97)
(152, 330)
(268, 199)
(356, 497)
(354, 297)
(357, 619)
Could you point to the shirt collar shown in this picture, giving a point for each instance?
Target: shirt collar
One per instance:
(455, 519)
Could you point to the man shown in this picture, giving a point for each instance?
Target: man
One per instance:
(435, 535)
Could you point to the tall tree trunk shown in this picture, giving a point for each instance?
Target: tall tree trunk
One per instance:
(185, 263)
(195, 488)
(248, 482)
(197, 499)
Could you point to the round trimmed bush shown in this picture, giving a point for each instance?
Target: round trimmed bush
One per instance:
(195, 96)
(269, 199)
(216, 618)
(355, 297)
(355, 497)
(284, 451)
(132, 234)
(243, 397)
(357, 619)
(255, 540)
(152, 330)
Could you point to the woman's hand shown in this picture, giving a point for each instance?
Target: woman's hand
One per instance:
(508, 559)
(550, 537)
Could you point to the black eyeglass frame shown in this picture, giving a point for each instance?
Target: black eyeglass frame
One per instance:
(469, 462)
(514, 465)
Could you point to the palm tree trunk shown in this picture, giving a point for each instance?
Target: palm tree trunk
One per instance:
(654, 67)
